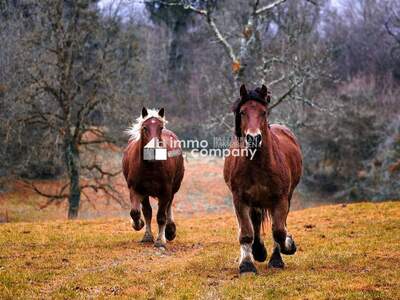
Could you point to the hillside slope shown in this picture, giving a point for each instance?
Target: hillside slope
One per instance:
(343, 251)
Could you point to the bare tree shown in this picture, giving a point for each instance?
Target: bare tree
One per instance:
(246, 51)
(68, 82)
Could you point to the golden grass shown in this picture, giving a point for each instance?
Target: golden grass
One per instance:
(343, 252)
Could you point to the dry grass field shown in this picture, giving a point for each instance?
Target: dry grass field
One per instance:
(344, 251)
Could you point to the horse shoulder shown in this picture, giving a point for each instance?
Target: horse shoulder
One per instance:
(130, 160)
(227, 169)
(175, 165)
(170, 139)
(291, 149)
(284, 132)
(229, 163)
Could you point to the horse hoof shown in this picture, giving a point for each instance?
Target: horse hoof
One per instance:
(147, 238)
(161, 245)
(290, 247)
(259, 251)
(170, 231)
(276, 264)
(247, 268)
(138, 225)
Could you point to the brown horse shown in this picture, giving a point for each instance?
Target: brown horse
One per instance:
(264, 184)
(160, 179)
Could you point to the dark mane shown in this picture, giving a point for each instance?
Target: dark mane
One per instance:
(252, 95)
(256, 95)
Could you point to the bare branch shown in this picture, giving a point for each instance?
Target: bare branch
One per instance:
(108, 189)
(95, 142)
(312, 104)
(58, 196)
(210, 21)
(286, 94)
(224, 42)
(390, 31)
(182, 4)
(314, 2)
(269, 7)
(97, 167)
(101, 137)
(278, 80)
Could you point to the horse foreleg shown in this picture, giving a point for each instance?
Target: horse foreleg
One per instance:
(170, 229)
(283, 240)
(147, 213)
(246, 237)
(136, 200)
(258, 248)
(162, 222)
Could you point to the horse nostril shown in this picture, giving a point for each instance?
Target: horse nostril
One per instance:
(257, 139)
(249, 139)
(253, 141)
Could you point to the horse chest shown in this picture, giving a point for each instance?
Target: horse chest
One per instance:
(259, 189)
(152, 183)
(257, 192)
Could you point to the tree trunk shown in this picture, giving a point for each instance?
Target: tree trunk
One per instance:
(73, 166)
(250, 55)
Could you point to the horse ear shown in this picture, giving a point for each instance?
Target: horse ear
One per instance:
(265, 94)
(235, 106)
(161, 112)
(238, 124)
(243, 91)
(144, 112)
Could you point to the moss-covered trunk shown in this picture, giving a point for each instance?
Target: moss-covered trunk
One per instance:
(73, 166)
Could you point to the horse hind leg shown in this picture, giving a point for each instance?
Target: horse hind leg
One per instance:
(136, 199)
(258, 248)
(170, 229)
(147, 213)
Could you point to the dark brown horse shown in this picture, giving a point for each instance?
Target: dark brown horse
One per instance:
(265, 184)
(160, 179)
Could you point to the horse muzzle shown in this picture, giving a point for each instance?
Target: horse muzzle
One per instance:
(253, 141)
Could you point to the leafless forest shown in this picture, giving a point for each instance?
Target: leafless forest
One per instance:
(75, 74)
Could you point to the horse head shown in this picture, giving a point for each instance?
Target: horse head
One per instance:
(251, 113)
(152, 125)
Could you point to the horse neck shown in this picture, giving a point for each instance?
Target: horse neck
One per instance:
(149, 165)
(267, 147)
(139, 151)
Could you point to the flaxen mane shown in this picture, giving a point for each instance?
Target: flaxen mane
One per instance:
(134, 130)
